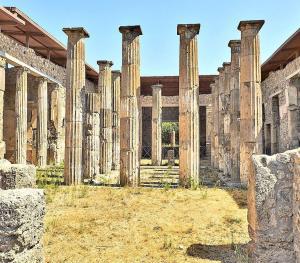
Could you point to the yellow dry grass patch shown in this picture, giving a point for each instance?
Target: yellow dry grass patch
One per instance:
(101, 224)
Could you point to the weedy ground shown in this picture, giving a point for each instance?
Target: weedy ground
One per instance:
(106, 224)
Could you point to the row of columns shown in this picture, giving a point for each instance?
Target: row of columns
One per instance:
(237, 105)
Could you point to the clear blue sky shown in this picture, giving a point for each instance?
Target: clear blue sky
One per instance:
(158, 19)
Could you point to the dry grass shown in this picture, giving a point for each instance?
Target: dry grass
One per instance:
(98, 224)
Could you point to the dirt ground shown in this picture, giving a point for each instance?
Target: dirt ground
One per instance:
(106, 224)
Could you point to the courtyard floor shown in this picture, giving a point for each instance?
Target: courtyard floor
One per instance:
(110, 224)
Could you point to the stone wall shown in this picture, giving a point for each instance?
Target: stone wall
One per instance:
(21, 225)
(28, 56)
(273, 207)
(277, 84)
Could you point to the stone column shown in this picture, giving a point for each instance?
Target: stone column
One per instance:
(42, 131)
(214, 120)
(129, 115)
(58, 111)
(293, 112)
(215, 91)
(92, 134)
(21, 115)
(189, 154)
(235, 46)
(2, 89)
(221, 138)
(74, 104)
(116, 84)
(250, 95)
(156, 124)
(173, 138)
(105, 91)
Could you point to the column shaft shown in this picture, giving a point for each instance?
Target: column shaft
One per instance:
(21, 115)
(92, 133)
(189, 154)
(2, 89)
(105, 91)
(74, 104)
(129, 114)
(250, 96)
(156, 124)
(116, 84)
(235, 46)
(42, 142)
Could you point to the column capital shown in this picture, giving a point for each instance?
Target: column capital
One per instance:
(220, 69)
(226, 64)
(2, 62)
(156, 86)
(78, 32)
(235, 46)
(42, 79)
(190, 30)
(21, 69)
(105, 63)
(116, 72)
(251, 24)
(131, 32)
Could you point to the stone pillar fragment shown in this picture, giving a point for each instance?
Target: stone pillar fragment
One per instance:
(92, 134)
(173, 139)
(250, 96)
(189, 154)
(116, 85)
(105, 91)
(42, 142)
(74, 104)
(156, 124)
(129, 114)
(58, 111)
(2, 89)
(21, 115)
(235, 46)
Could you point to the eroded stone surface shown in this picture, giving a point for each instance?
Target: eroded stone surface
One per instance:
(21, 225)
(272, 207)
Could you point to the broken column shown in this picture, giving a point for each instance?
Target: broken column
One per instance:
(250, 96)
(189, 155)
(173, 138)
(42, 131)
(21, 115)
(74, 104)
(116, 85)
(105, 91)
(235, 46)
(22, 214)
(156, 124)
(221, 138)
(2, 89)
(129, 115)
(92, 135)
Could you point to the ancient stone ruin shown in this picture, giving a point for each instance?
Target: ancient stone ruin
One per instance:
(55, 109)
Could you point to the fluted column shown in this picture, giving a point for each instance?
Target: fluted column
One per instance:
(58, 112)
(156, 124)
(92, 135)
(129, 114)
(116, 85)
(2, 89)
(226, 104)
(235, 46)
(105, 91)
(214, 122)
(75, 81)
(21, 115)
(189, 155)
(250, 96)
(221, 119)
(42, 142)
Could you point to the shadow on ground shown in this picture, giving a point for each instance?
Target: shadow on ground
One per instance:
(239, 196)
(223, 253)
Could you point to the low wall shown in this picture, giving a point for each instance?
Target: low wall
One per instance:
(273, 208)
(21, 225)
